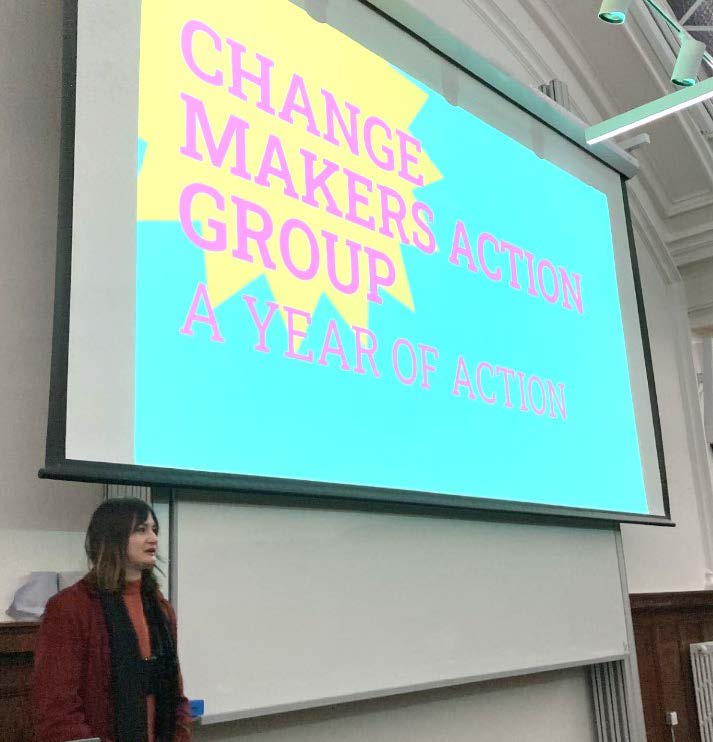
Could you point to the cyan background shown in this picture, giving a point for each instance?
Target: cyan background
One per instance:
(223, 407)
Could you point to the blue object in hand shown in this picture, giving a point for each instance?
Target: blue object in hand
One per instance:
(197, 707)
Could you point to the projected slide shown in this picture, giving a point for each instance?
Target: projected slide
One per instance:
(341, 277)
(306, 254)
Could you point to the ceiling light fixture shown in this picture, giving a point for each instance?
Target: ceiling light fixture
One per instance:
(688, 62)
(684, 75)
(614, 11)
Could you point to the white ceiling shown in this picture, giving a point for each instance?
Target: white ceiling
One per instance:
(619, 67)
(608, 70)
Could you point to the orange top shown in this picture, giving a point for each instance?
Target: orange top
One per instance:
(132, 600)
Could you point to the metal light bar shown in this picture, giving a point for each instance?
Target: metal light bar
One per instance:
(649, 112)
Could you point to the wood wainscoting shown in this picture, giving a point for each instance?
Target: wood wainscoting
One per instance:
(17, 645)
(665, 624)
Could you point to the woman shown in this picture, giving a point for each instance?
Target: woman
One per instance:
(105, 662)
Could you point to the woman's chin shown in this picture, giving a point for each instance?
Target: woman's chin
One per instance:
(143, 564)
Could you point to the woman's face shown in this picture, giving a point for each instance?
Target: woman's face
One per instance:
(143, 544)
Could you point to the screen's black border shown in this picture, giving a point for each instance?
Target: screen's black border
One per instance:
(269, 490)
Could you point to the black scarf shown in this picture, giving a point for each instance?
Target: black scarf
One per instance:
(133, 678)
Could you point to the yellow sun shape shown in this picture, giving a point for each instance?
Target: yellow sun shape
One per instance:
(326, 60)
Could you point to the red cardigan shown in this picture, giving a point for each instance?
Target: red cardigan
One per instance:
(72, 696)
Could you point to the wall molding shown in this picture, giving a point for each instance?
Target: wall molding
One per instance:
(695, 437)
(701, 318)
(512, 38)
(645, 224)
(693, 202)
(692, 245)
(672, 601)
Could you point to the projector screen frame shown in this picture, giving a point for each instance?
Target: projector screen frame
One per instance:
(278, 491)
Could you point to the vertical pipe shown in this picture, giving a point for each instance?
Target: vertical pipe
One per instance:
(708, 388)
(703, 692)
(703, 662)
(621, 698)
(173, 549)
(597, 697)
(632, 684)
(612, 696)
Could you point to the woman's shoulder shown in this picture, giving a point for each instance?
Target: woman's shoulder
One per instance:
(75, 598)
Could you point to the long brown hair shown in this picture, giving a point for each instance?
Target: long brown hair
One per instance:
(107, 538)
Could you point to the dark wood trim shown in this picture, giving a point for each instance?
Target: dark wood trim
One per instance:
(665, 624)
(17, 645)
(18, 636)
(684, 600)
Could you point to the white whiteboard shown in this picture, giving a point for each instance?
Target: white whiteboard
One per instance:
(286, 608)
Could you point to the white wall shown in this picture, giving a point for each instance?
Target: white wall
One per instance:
(699, 362)
(549, 707)
(41, 522)
(669, 559)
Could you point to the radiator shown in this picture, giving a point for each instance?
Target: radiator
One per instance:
(611, 710)
(702, 663)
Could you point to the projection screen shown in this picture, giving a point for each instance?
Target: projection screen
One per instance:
(303, 253)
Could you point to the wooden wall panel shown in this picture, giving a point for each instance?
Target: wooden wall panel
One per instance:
(17, 643)
(665, 624)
